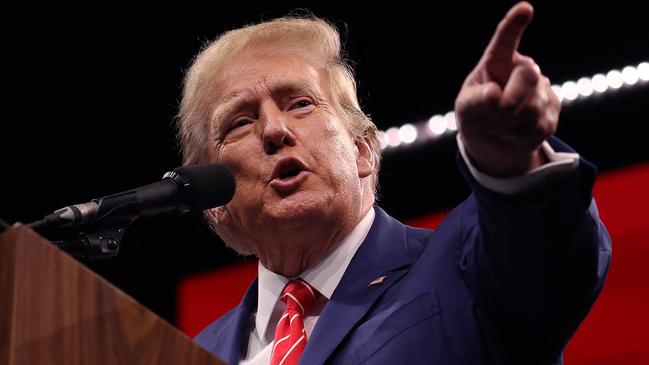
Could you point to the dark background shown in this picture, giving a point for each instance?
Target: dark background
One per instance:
(90, 96)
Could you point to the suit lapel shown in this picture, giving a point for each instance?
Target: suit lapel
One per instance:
(384, 252)
(229, 339)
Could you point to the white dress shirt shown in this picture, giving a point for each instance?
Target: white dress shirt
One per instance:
(326, 274)
(323, 277)
(560, 164)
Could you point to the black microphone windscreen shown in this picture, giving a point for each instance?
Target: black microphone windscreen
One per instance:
(211, 185)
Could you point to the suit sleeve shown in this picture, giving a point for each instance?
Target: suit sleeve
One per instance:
(535, 262)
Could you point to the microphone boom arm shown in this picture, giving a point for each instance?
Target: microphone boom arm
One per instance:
(95, 229)
(101, 244)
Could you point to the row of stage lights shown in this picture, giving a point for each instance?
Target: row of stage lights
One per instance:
(568, 92)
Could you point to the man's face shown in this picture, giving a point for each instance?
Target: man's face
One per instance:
(296, 165)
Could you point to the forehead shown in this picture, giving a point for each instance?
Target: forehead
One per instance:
(263, 71)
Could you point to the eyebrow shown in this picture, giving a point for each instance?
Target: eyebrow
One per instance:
(292, 86)
(280, 87)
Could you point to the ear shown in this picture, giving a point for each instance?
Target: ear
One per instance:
(219, 215)
(364, 157)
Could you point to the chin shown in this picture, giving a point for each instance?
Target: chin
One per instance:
(300, 207)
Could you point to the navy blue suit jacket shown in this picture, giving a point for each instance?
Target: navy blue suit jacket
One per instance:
(502, 280)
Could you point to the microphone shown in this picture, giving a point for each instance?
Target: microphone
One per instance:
(186, 189)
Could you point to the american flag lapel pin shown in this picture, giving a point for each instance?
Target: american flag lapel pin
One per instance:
(377, 281)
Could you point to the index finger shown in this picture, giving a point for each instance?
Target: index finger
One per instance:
(508, 34)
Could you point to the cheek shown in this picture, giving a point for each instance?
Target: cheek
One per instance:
(239, 157)
(248, 172)
(337, 153)
(334, 137)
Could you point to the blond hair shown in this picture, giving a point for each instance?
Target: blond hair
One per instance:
(310, 36)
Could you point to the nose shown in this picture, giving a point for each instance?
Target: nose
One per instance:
(276, 134)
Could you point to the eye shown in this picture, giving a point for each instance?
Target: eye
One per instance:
(240, 123)
(301, 103)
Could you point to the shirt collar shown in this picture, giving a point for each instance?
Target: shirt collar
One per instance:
(324, 276)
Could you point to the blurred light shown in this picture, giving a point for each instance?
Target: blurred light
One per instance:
(643, 71)
(383, 140)
(392, 137)
(584, 86)
(437, 124)
(599, 83)
(407, 133)
(630, 75)
(569, 90)
(450, 121)
(614, 79)
(557, 91)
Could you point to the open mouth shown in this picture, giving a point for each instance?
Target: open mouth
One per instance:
(290, 172)
(288, 175)
(287, 168)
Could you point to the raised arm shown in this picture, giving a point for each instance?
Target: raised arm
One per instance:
(535, 260)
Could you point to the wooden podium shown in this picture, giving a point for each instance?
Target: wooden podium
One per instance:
(53, 310)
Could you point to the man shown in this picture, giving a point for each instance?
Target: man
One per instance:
(506, 278)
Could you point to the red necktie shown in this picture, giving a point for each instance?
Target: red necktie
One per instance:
(290, 335)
